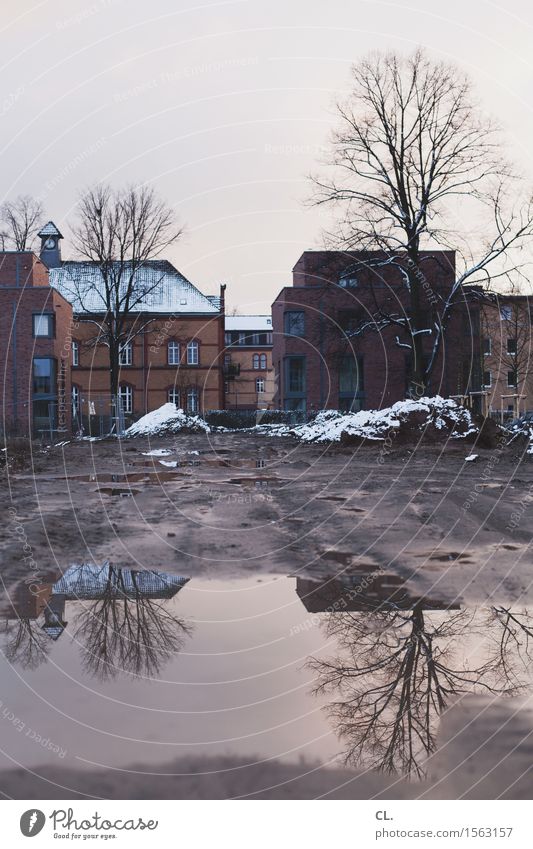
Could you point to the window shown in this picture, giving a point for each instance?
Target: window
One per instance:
(75, 353)
(351, 384)
(227, 359)
(511, 346)
(44, 325)
(295, 376)
(348, 281)
(227, 338)
(44, 376)
(192, 400)
(294, 323)
(76, 401)
(263, 361)
(125, 354)
(125, 394)
(256, 339)
(487, 379)
(506, 313)
(259, 385)
(174, 396)
(255, 361)
(173, 353)
(242, 338)
(487, 345)
(511, 379)
(192, 353)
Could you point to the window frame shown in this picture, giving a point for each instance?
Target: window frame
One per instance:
(288, 323)
(193, 391)
(300, 393)
(515, 377)
(487, 339)
(75, 350)
(489, 384)
(51, 325)
(260, 382)
(173, 390)
(193, 345)
(126, 348)
(50, 393)
(129, 389)
(173, 344)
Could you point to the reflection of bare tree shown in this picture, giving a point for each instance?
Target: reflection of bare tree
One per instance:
(396, 672)
(125, 630)
(513, 635)
(25, 643)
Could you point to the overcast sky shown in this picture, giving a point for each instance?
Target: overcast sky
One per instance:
(224, 107)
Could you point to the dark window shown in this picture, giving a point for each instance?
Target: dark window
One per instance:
(511, 346)
(294, 322)
(227, 338)
(506, 313)
(511, 379)
(351, 385)
(44, 376)
(487, 345)
(487, 379)
(295, 376)
(44, 325)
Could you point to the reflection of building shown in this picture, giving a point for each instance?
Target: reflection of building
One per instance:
(35, 328)
(86, 582)
(248, 371)
(363, 592)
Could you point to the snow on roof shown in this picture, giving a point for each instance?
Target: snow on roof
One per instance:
(248, 322)
(49, 229)
(167, 290)
(88, 581)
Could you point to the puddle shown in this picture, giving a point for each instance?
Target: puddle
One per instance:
(114, 491)
(123, 667)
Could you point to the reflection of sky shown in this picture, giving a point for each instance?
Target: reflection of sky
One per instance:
(225, 109)
(240, 667)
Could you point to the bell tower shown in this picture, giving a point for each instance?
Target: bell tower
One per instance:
(50, 248)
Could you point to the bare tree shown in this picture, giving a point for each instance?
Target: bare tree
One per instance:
(411, 142)
(20, 221)
(122, 233)
(121, 632)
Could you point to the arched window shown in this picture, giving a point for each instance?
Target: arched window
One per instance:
(125, 394)
(263, 361)
(192, 353)
(192, 400)
(173, 353)
(255, 361)
(174, 396)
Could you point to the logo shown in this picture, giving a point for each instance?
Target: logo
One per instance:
(32, 822)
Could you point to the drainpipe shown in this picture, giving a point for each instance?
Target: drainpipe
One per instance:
(15, 377)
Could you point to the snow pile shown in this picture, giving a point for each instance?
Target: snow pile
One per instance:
(438, 417)
(167, 419)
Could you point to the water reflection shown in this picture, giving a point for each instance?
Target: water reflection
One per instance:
(400, 661)
(119, 624)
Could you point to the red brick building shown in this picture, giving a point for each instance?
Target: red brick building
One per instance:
(324, 360)
(248, 369)
(35, 334)
(173, 353)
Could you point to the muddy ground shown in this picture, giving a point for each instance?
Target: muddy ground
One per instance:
(237, 505)
(228, 508)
